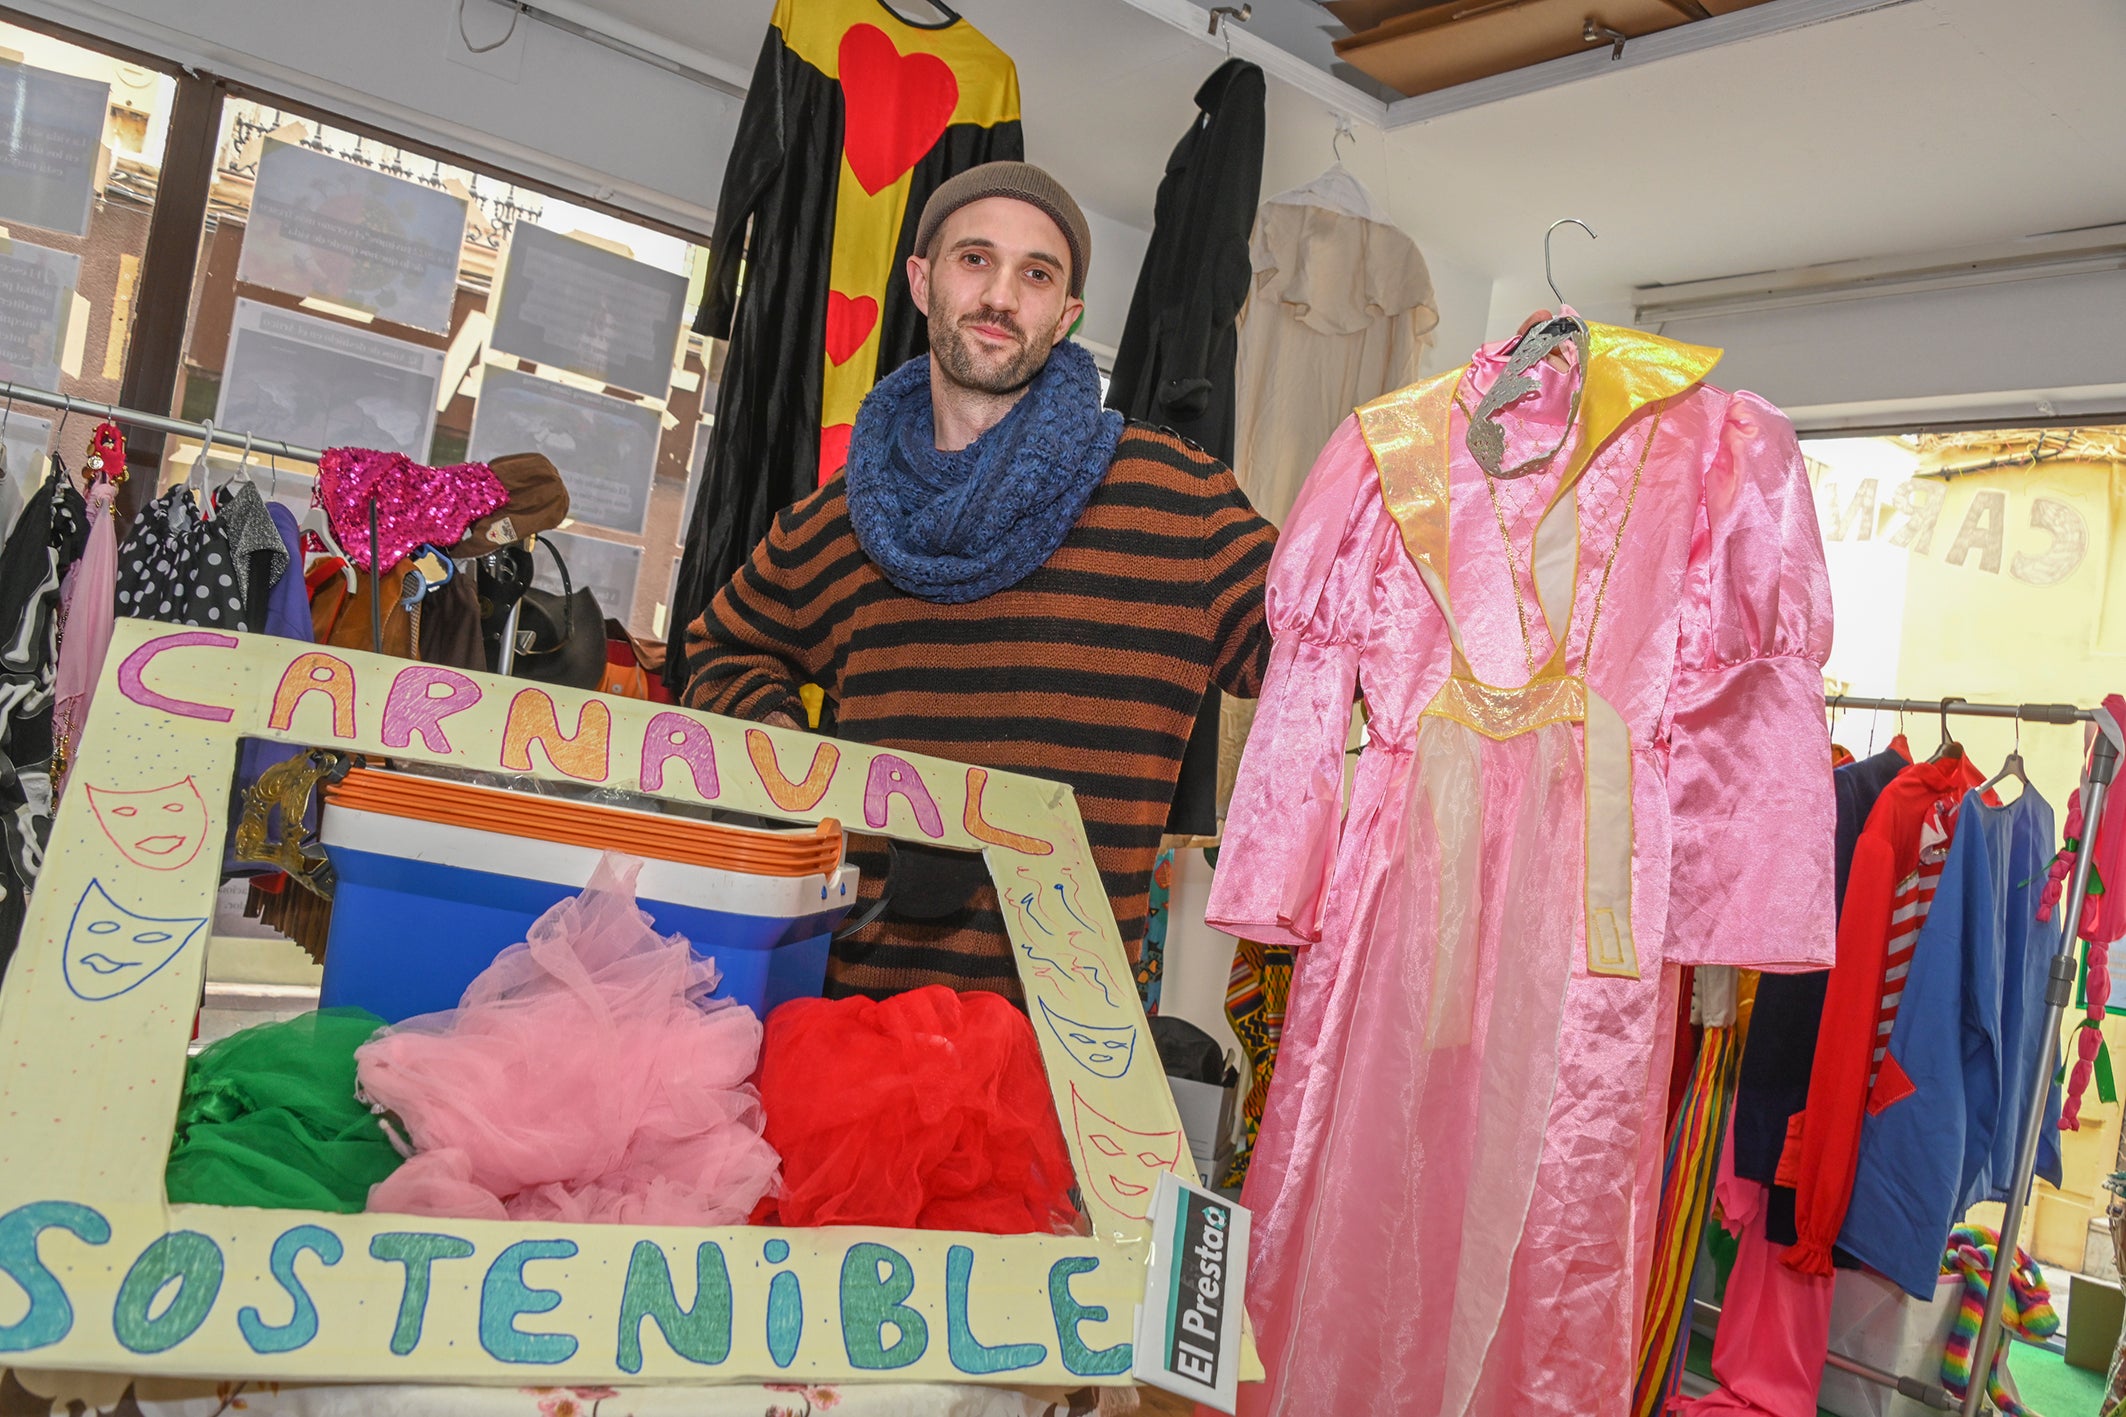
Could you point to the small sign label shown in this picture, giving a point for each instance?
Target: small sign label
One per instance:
(1188, 1329)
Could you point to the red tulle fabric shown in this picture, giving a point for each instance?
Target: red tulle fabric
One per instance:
(929, 1110)
(585, 1076)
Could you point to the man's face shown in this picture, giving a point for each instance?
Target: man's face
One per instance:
(997, 290)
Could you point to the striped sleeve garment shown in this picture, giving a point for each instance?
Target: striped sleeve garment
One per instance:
(1088, 672)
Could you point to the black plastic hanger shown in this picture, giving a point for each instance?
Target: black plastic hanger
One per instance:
(1949, 748)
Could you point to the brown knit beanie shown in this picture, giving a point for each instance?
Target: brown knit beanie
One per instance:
(1023, 182)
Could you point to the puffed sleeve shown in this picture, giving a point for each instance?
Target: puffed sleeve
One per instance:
(1749, 753)
(1287, 809)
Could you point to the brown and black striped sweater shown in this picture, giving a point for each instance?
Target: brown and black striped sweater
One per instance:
(1087, 672)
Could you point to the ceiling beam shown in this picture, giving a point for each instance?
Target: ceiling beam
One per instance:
(1773, 17)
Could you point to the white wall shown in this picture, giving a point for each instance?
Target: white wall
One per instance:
(547, 105)
(2015, 350)
(1118, 253)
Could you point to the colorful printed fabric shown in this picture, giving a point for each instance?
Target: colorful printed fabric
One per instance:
(1686, 1199)
(1255, 997)
(2028, 1314)
(1151, 960)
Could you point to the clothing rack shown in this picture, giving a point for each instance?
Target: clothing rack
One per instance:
(2103, 766)
(208, 434)
(156, 422)
(2027, 713)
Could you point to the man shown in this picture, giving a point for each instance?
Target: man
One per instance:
(1005, 574)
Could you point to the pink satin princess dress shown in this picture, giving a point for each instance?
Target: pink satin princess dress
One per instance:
(1595, 752)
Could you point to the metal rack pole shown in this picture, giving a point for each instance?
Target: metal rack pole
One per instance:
(2059, 989)
(155, 422)
(2028, 713)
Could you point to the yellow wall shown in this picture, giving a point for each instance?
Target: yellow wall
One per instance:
(2013, 589)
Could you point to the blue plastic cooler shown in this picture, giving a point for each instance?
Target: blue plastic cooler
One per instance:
(422, 907)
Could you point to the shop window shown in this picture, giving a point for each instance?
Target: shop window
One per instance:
(354, 292)
(82, 135)
(1983, 563)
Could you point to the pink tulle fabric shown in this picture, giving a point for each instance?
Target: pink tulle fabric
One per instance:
(415, 504)
(87, 607)
(585, 1076)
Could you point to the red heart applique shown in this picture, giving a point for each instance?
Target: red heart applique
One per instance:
(849, 322)
(897, 106)
(833, 450)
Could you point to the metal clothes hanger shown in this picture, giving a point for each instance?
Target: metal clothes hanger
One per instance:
(204, 498)
(1559, 324)
(2013, 767)
(1336, 139)
(1549, 278)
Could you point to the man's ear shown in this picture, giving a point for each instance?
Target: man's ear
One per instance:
(919, 283)
(1072, 310)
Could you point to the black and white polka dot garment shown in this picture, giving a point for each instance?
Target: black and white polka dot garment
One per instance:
(179, 568)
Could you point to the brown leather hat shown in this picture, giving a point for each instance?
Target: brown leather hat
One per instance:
(538, 501)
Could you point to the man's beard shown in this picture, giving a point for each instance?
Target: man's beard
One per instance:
(954, 351)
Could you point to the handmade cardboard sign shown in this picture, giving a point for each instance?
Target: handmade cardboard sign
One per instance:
(98, 1271)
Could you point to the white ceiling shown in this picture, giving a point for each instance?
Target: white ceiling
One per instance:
(1925, 125)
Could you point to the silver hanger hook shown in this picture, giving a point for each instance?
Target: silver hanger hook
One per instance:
(1548, 278)
(1343, 131)
(206, 450)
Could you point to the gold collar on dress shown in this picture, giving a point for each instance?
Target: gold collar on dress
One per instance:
(1626, 371)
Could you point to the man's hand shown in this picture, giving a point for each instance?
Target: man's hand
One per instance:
(780, 719)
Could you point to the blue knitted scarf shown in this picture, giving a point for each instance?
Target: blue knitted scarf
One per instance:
(954, 527)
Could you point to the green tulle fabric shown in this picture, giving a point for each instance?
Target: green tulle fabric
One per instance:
(269, 1119)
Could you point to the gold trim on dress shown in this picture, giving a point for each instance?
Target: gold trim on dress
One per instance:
(1508, 713)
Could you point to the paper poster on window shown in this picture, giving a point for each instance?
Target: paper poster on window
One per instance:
(23, 443)
(605, 448)
(317, 384)
(608, 569)
(51, 127)
(321, 226)
(582, 308)
(36, 292)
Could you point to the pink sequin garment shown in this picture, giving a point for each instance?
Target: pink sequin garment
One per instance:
(1436, 1106)
(415, 504)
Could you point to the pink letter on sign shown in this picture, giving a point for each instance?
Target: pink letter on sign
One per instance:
(413, 706)
(896, 777)
(136, 663)
(674, 735)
